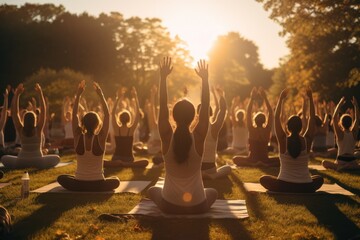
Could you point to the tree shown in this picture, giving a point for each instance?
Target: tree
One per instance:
(323, 37)
(235, 65)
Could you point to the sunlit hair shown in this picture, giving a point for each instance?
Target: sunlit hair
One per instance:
(240, 117)
(29, 123)
(91, 122)
(124, 117)
(293, 144)
(183, 114)
(318, 121)
(346, 121)
(259, 119)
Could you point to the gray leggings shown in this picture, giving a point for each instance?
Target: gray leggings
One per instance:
(271, 183)
(14, 162)
(167, 207)
(69, 182)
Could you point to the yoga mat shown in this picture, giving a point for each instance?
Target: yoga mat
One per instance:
(234, 209)
(325, 188)
(60, 164)
(125, 186)
(317, 167)
(4, 184)
(152, 165)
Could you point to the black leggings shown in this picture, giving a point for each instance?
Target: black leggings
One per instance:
(273, 184)
(69, 182)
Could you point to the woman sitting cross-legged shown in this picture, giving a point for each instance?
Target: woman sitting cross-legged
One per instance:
(183, 191)
(208, 167)
(294, 150)
(89, 142)
(30, 129)
(259, 135)
(346, 131)
(124, 136)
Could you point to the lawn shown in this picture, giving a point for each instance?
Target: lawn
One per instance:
(74, 216)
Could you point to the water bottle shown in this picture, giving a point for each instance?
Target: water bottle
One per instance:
(25, 187)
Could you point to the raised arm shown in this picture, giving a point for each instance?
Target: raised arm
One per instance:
(153, 113)
(15, 107)
(249, 107)
(355, 125)
(106, 121)
(75, 115)
(304, 119)
(220, 117)
(137, 111)
(202, 127)
(338, 132)
(42, 115)
(279, 131)
(269, 109)
(164, 126)
(114, 109)
(309, 133)
(235, 102)
(4, 110)
(217, 108)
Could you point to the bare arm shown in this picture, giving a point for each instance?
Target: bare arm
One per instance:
(216, 109)
(4, 110)
(15, 107)
(42, 116)
(220, 117)
(75, 118)
(137, 111)
(201, 128)
(279, 131)
(355, 125)
(309, 133)
(304, 118)
(337, 130)
(106, 121)
(249, 109)
(164, 126)
(269, 109)
(113, 114)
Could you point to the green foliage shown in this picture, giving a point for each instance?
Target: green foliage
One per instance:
(56, 86)
(111, 49)
(324, 38)
(235, 65)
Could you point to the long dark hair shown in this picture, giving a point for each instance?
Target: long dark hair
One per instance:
(90, 122)
(29, 123)
(346, 121)
(183, 114)
(293, 143)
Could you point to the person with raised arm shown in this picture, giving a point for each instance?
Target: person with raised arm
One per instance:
(346, 131)
(208, 167)
(294, 147)
(259, 134)
(30, 131)
(89, 141)
(124, 135)
(183, 191)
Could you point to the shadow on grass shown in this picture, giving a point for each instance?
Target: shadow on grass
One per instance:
(324, 208)
(324, 174)
(252, 201)
(54, 205)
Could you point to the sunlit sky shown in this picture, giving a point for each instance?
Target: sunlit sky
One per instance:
(197, 22)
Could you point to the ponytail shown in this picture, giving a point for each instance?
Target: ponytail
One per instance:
(182, 143)
(294, 145)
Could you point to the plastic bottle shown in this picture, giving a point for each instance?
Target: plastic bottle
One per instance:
(25, 187)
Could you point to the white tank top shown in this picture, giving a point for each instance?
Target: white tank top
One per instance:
(295, 170)
(30, 147)
(240, 137)
(347, 145)
(68, 130)
(183, 184)
(89, 166)
(209, 155)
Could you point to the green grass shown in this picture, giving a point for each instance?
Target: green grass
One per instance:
(65, 216)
